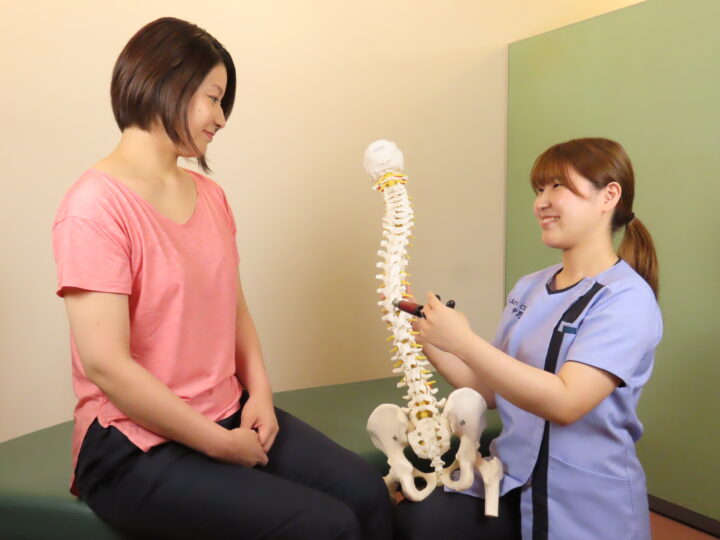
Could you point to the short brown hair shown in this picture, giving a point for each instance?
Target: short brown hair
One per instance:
(602, 161)
(158, 72)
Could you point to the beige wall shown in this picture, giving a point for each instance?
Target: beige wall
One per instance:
(318, 80)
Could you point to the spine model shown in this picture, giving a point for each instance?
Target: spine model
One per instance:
(431, 437)
(425, 423)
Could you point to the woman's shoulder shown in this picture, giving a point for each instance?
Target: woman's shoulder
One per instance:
(623, 281)
(88, 197)
(628, 297)
(214, 191)
(207, 183)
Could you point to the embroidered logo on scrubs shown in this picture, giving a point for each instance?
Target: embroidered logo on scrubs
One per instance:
(518, 308)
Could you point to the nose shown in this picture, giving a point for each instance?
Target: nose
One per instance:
(220, 118)
(542, 201)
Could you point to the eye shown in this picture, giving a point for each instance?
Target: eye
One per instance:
(539, 190)
(556, 185)
(214, 99)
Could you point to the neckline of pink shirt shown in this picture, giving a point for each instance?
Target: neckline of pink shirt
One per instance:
(155, 211)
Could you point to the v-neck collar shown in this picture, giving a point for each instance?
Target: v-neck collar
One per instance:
(145, 202)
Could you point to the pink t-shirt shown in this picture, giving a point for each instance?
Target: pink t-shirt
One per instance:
(182, 282)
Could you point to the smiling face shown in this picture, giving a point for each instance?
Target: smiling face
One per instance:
(574, 213)
(205, 115)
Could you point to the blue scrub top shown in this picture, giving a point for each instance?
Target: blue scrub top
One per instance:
(584, 480)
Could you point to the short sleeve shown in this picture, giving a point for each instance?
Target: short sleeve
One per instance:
(618, 332)
(90, 257)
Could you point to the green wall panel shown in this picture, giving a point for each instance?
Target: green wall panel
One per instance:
(647, 76)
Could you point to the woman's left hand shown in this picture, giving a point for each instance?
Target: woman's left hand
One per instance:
(259, 414)
(443, 327)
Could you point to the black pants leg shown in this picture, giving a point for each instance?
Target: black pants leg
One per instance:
(311, 489)
(303, 455)
(457, 516)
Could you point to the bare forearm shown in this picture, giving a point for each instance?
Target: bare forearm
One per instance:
(151, 404)
(457, 373)
(534, 390)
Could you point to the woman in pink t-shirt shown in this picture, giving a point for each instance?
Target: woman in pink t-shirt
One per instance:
(175, 432)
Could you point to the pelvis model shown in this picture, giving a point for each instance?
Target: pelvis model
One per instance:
(425, 423)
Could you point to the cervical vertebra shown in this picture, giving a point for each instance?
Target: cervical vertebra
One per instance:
(422, 423)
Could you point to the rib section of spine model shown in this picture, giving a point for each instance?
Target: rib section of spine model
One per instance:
(425, 423)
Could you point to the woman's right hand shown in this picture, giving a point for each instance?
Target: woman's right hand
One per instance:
(241, 446)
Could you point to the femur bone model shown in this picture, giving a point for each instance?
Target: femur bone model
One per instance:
(425, 423)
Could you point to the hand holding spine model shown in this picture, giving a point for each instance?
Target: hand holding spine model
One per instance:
(421, 424)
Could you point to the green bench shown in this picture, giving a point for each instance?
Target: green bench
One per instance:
(34, 469)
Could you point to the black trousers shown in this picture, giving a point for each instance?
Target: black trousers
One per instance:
(311, 489)
(454, 516)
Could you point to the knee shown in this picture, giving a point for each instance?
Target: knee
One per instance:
(409, 521)
(376, 496)
(368, 492)
(330, 521)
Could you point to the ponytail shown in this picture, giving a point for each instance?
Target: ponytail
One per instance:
(638, 250)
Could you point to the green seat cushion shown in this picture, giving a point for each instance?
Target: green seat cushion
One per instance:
(35, 469)
(34, 499)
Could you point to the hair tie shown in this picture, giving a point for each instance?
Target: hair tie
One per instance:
(632, 216)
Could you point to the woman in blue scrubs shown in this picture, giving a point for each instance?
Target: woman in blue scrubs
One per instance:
(573, 351)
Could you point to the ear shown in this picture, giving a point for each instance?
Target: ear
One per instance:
(611, 196)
